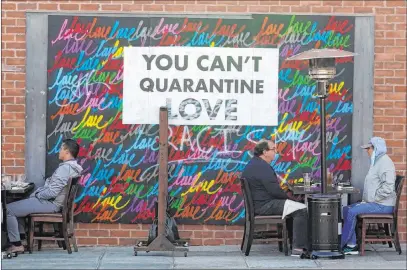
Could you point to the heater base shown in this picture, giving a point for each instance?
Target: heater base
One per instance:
(327, 255)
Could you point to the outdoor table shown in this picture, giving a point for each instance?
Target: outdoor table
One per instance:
(297, 190)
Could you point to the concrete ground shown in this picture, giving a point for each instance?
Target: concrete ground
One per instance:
(207, 257)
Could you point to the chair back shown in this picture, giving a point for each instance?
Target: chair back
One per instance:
(67, 208)
(248, 201)
(399, 188)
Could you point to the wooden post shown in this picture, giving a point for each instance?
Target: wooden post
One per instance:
(163, 170)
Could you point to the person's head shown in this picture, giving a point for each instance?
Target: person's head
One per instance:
(69, 150)
(265, 150)
(376, 145)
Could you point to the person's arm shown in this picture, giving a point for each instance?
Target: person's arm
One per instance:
(272, 185)
(387, 181)
(55, 185)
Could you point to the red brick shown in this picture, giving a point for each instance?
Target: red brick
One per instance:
(401, 27)
(196, 242)
(7, 147)
(384, 10)
(363, 10)
(15, 108)
(68, 6)
(217, 8)
(321, 9)
(14, 139)
(395, 34)
(134, 7)
(384, 42)
(401, 10)
(236, 8)
(277, 9)
(385, 26)
(19, 131)
(400, 88)
(301, 9)
(27, 6)
(14, 170)
(91, 7)
(395, 112)
(81, 233)
(174, 8)
(98, 233)
(224, 234)
(15, 30)
(7, 162)
(233, 241)
(213, 227)
(8, 6)
(111, 7)
(394, 65)
(139, 234)
(395, 3)
(186, 234)
(119, 233)
(310, 3)
(394, 81)
(87, 241)
(400, 104)
(90, 226)
(332, 3)
(133, 226)
(396, 19)
(288, 3)
(203, 234)
(109, 226)
(384, 73)
(384, 57)
(14, 14)
(127, 242)
(153, 8)
(344, 10)
(213, 242)
(108, 241)
(373, 3)
(42, 6)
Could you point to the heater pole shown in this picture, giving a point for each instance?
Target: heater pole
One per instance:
(322, 96)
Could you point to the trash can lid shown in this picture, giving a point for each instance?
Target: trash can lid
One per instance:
(324, 197)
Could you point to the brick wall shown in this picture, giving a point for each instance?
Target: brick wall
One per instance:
(389, 90)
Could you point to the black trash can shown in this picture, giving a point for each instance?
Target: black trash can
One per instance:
(324, 215)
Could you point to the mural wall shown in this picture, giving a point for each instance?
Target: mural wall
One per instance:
(119, 185)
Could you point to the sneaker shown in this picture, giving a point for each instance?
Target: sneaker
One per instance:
(303, 254)
(16, 249)
(351, 250)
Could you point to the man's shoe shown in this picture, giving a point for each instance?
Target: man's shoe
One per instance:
(303, 254)
(16, 249)
(351, 250)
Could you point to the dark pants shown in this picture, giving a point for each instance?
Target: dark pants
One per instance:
(299, 222)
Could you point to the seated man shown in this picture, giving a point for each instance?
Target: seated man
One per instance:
(46, 199)
(269, 198)
(379, 195)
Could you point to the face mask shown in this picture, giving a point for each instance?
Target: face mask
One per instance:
(372, 158)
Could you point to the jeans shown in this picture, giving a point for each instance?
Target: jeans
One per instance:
(350, 214)
(20, 209)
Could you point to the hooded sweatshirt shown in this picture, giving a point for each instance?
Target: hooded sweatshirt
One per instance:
(55, 188)
(379, 186)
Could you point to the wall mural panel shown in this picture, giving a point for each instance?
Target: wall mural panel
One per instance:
(119, 185)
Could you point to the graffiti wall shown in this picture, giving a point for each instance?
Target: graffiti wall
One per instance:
(119, 184)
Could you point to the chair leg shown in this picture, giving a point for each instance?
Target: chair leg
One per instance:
(75, 247)
(280, 236)
(65, 233)
(41, 231)
(285, 234)
(397, 241)
(388, 233)
(362, 248)
(31, 236)
(61, 243)
(249, 239)
(244, 237)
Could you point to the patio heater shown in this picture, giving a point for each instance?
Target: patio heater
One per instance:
(324, 210)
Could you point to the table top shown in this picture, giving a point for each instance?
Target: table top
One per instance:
(21, 190)
(330, 190)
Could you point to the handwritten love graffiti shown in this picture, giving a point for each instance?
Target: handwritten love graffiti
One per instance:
(119, 184)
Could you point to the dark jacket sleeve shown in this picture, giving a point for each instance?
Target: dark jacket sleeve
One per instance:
(272, 185)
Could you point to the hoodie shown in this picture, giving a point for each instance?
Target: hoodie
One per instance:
(55, 188)
(380, 180)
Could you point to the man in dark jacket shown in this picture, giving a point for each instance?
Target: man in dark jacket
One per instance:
(269, 198)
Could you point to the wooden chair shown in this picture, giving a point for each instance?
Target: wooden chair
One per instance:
(251, 220)
(64, 219)
(389, 220)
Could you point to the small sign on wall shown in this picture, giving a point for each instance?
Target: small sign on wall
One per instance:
(201, 86)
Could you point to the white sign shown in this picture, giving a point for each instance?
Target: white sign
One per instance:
(201, 86)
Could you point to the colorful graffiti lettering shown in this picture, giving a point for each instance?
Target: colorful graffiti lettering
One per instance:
(119, 183)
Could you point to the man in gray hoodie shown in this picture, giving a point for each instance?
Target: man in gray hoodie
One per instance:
(46, 199)
(379, 194)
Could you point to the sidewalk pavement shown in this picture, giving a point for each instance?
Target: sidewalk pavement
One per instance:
(202, 257)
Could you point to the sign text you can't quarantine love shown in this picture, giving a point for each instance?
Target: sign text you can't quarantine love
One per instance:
(201, 86)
